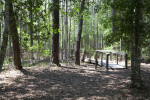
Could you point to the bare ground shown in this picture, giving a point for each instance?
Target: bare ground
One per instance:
(71, 82)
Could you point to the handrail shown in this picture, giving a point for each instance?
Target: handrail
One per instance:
(109, 53)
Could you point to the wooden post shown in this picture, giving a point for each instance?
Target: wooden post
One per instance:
(83, 56)
(101, 59)
(117, 58)
(111, 56)
(126, 61)
(120, 58)
(107, 61)
(96, 62)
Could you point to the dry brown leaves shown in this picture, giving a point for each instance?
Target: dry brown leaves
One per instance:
(71, 83)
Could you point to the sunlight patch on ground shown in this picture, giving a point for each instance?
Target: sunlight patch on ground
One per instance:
(8, 76)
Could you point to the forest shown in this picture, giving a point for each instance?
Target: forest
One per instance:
(74, 49)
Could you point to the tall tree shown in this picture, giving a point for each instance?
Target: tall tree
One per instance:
(136, 44)
(15, 37)
(78, 40)
(113, 17)
(62, 30)
(31, 25)
(66, 29)
(0, 29)
(5, 34)
(55, 37)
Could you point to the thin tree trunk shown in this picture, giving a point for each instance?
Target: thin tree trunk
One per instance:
(113, 18)
(55, 38)
(31, 26)
(70, 39)
(62, 30)
(74, 33)
(149, 52)
(94, 29)
(0, 31)
(5, 34)
(78, 40)
(66, 29)
(20, 23)
(99, 31)
(15, 37)
(97, 35)
(10, 48)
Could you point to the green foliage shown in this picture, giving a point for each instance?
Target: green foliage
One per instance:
(95, 12)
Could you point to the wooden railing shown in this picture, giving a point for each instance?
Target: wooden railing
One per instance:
(109, 53)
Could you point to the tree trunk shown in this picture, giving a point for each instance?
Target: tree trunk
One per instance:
(66, 29)
(70, 39)
(0, 31)
(62, 35)
(80, 24)
(149, 52)
(5, 34)
(113, 18)
(15, 37)
(10, 48)
(31, 26)
(136, 47)
(55, 38)
(74, 31)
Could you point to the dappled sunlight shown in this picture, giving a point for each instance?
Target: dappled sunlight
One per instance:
(66, 82)
(9, 75)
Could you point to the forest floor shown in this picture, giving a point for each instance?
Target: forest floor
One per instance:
(70, 82)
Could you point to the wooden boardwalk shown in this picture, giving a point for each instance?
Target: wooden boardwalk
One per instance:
(112, 64)
(109, 63)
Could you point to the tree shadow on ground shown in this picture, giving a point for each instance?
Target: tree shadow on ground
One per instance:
(71, 83)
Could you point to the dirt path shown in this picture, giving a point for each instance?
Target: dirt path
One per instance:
(71, 83)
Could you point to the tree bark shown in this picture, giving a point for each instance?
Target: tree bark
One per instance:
(15, 37)
(31, 23)
(66, 29)
(113, 18)
(31, 26)
(149, 52)
(0, 31)
(136, 47)
(62, 35)
(5, 34)
(55, 38)
(78, 40)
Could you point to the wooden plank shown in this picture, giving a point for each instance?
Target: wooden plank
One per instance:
(110, 51)
(104, 51)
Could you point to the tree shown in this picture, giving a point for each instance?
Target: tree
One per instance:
(31, 25)
(5, 34)
(66, 29)
(136, 45)
(55, 37)
(78, 40)
(15, 37)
